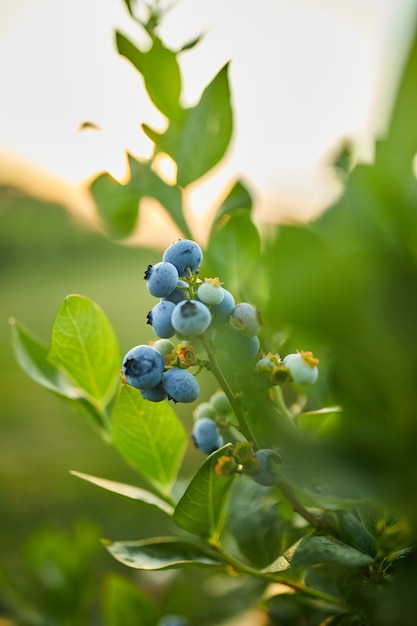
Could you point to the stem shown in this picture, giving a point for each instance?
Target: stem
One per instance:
(218, 374)
(241, 568)
(315, 521)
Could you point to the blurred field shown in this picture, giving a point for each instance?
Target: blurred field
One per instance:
(44, 256)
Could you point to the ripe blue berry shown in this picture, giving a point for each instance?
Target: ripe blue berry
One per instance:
(206, 435)
(161, 279)
(178, 294)
(302, 367)
(185, 254)
(143, 367)
(264, 474)
(154, 394)
(180, 385)
(160, 319)
(245, 319)
(191, 318)
(210, 292)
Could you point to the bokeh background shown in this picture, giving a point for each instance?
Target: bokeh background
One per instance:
(304, 76)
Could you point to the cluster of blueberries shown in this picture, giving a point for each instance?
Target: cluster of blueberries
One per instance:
(187, 307)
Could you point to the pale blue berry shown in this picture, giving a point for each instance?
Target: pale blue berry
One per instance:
(191, 318)
(221, 312)
(245, 319)
(143, 367)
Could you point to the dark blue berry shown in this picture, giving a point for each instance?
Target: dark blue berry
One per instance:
(185, 254)
(143, 367)
(180, 385)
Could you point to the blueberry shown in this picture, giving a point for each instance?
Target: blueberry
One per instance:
(302, 367)
(191, 318)
(154, 394)
(204, 409)
(264, 369)
(164, 346)
(143, 367)
(220, 402)
(160, 319)
(185, 254)
(264, 474)
(245, 319)
(221, 312)
(178, 294)
(210, 292)
(180, 385)
(240, 348)
(206, 435)
(161, 279)
(173, 620)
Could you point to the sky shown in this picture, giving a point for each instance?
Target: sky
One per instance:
(304, 74)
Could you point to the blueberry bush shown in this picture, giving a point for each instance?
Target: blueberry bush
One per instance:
(304, 492)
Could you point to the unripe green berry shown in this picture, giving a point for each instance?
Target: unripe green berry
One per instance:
(220, 402)
(210, 292)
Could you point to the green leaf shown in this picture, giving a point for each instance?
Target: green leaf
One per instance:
(201, 510)
(119, 204)
(85, 347)
(125, 603)
(162, 553)
(354, 532)
(263, 535)
(147, 183)
(235, 238)
(32, 356)
(329, 487)
(129, 491)
(160, 71)
(150, 436)
(201, 139)
(207, 131)
(315, 550)
(189, 45)
(237, 199)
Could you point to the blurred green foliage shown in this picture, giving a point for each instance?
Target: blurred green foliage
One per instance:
(344, 285)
